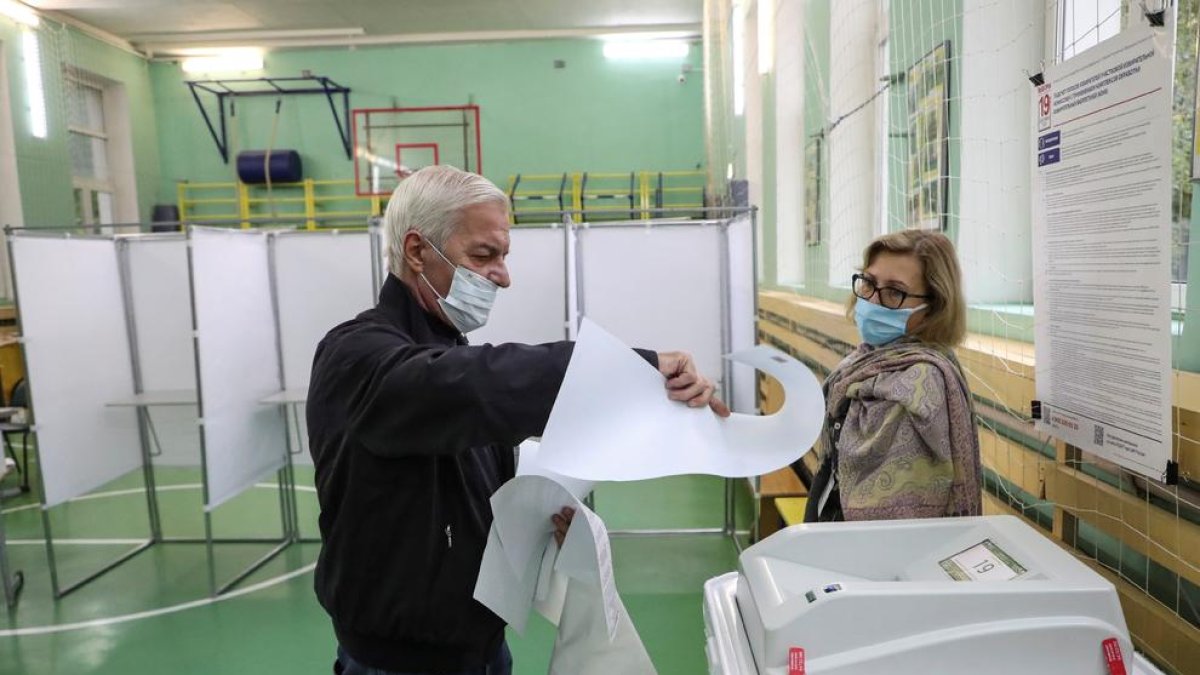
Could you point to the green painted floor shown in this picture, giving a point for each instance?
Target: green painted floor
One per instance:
(134, 622)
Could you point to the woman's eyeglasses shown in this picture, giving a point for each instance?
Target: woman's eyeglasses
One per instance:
(892, 298)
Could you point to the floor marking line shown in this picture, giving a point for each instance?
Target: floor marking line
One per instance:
(147, 614)
(78, 542)
(138, 491)
(126, 618)
(111, 493)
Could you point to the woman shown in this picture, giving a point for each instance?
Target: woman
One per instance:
(899, 438)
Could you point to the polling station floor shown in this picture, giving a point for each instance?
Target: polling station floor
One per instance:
(153, 615)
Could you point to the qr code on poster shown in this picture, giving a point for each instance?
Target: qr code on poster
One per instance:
(1098, 435)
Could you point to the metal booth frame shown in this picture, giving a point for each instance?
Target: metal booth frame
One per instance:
(285, 474)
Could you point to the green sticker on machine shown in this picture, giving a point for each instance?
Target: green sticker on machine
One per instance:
(984, 561)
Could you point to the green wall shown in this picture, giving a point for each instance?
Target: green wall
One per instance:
(595, 114)
(43, 165)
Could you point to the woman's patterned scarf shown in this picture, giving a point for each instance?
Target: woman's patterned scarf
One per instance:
(908, 446)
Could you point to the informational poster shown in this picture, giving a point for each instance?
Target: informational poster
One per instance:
(928, 85)
(1102, 250)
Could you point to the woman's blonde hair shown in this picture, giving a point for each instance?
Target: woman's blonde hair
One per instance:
(945, 321)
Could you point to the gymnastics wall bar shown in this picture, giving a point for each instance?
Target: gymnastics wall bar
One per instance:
(226, 91)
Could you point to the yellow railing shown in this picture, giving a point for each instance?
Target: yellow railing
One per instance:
(533, 197)
(315, 202)
(539, 197)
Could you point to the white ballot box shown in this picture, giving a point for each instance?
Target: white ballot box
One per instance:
(984, 596)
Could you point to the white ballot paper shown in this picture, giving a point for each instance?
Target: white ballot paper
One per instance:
(530, 465)
(612, 419)
(574, 588)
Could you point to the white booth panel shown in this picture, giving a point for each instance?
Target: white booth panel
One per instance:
(162, 310)
(322, 279)
(656, 287)
(238, 362)
(77, 353)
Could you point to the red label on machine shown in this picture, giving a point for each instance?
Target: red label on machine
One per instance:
(796, 661)
(1112, 656)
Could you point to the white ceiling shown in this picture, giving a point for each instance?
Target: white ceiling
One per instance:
(163, 24)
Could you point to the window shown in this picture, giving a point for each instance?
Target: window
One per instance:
(1083, 24)
(89, 146)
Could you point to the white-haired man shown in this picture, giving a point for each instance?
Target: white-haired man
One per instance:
(412, 431)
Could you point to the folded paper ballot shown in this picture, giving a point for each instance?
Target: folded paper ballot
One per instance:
(613, 421)
(574, 588)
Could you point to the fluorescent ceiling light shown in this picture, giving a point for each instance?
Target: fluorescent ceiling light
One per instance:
(35, 92)
(20, 13)
(645, 49)
(246, 36)
(225, 61)
(739, 59)
(644, 33)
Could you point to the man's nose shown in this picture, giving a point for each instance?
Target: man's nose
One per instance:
(499, 275)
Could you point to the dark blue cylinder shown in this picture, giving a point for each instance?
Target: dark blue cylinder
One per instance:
(285, 166)
(164, 213)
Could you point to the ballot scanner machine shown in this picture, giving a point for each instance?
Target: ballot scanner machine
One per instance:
(985, 596)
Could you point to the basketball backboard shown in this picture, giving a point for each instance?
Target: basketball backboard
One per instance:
(391, 143)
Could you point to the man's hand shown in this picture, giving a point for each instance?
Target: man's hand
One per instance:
(562, 521)
(685, 383)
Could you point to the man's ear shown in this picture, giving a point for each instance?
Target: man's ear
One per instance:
(413, 245)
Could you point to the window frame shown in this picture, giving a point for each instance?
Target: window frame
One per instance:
(87, 190)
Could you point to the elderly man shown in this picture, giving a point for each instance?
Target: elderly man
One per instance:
(412, 431)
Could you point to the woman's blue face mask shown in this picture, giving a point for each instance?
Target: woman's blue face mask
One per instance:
(879, 325)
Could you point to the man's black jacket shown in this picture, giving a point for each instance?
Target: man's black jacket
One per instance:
(411, 431)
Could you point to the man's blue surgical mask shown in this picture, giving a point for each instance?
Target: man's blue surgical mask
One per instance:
(469, 300)
(880, 325)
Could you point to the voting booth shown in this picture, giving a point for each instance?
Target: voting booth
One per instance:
(982, 595)
(182, 350)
